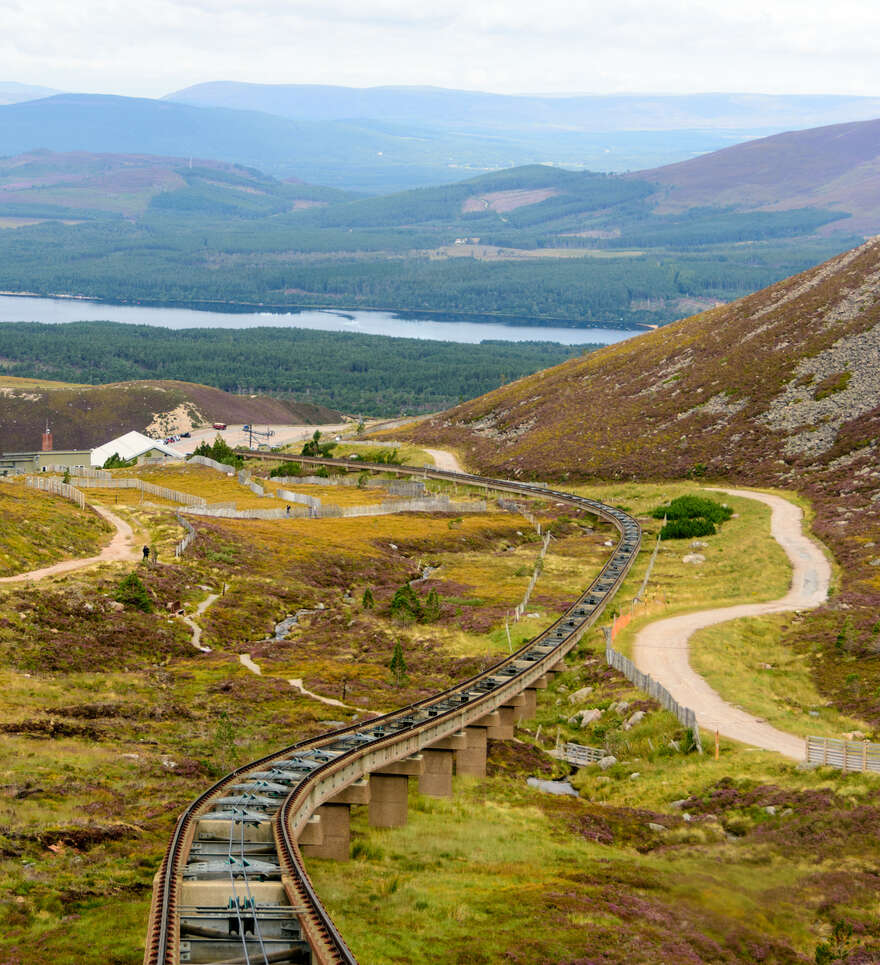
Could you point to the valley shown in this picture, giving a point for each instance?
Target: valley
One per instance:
(498, 579)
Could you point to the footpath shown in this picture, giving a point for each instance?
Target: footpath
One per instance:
(120, 548)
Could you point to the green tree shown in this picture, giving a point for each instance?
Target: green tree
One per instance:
(405, 605)
(398, 665)
(431, 608)
(133, 594)
(367, 601)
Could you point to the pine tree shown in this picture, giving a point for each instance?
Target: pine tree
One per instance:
(367, 602)
(398, 665)
(405, 606)
(431, 609)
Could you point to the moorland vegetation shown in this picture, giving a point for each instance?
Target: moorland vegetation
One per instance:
(218, 234)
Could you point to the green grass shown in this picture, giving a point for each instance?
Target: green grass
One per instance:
(746, 662)
(38, 529)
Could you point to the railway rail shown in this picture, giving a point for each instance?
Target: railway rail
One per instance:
(232, 888)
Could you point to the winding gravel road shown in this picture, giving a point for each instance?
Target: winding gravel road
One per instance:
(661, 648)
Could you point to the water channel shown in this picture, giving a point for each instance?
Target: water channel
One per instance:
(22, 308)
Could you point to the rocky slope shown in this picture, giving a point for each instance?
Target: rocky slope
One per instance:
(83, 416)
(781, 388)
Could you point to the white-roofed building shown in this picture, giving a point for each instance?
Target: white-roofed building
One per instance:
(134, 445)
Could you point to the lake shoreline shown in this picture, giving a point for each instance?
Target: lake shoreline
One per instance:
(224, 306)
(64, 308)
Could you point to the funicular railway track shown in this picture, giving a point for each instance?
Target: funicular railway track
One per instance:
(232, 887)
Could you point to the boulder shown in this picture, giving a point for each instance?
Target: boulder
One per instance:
(657, 827)
(580, 695)
(607, 762)
(636, 718)
(583, 718)
(695, 558)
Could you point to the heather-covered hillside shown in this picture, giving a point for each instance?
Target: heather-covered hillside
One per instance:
(781, 388)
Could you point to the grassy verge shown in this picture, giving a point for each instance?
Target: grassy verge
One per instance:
(749, 665)
(38, 529)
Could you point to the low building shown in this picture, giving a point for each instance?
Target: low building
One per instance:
(134, 445)
(44, 461)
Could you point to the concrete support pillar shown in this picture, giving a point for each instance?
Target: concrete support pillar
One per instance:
(531, 703)
(518, 703)
(388, 800)
(336, 827)
(503, 730)
(312, 832)
(436, 779)
(471, 761)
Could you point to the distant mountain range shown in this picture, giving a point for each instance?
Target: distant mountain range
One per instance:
(463, 109)
(380, 140)
(12, 93)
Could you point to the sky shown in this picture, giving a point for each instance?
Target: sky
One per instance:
(152, 47)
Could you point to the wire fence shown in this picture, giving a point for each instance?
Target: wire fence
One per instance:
(520, 608)
(685, 715)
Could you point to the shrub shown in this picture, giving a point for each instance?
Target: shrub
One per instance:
(687, 529)
(367, 601)
(691, 516)
(133, 594)
(117, 462)
(693, 507)
(287, 469)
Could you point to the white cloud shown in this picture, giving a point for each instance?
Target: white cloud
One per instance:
(155, 46)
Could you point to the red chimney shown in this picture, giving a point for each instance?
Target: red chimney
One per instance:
(47, 439)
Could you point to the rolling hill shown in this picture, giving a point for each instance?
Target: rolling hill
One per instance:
(835, 167)
(373, 155)
(84, 416)
(781, 388)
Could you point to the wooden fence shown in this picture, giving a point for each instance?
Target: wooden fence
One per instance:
(85, 472)
(129, 482)
(844, 754)
(685, 715)
(184, 544)
(212, 464)
(580, 755)
(57, 488)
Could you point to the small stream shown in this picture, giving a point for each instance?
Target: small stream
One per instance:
(552, 787)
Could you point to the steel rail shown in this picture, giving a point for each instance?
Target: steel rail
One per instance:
(437, 718)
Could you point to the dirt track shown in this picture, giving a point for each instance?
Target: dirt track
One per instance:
(444, 460)
(661, 649)
(121, 547)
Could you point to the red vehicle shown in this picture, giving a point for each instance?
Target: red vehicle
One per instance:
(219, 425)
